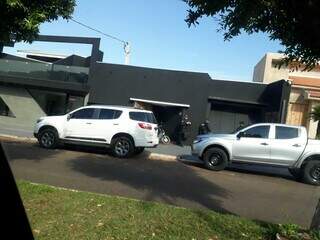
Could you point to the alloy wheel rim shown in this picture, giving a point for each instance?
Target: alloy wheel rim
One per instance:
(315, 172)
(122, 147)
(215, 159)
(47, 139)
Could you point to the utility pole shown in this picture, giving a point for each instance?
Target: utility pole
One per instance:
(127, 51)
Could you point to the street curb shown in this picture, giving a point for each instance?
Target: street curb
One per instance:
(150, 156)
(16, 138)
(163, 157)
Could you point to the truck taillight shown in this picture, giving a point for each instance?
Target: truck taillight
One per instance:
(145, 126)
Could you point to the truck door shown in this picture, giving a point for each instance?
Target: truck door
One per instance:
(287, 145)
(253, 145)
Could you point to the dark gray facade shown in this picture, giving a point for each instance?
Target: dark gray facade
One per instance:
(58, 85)
(116, 84)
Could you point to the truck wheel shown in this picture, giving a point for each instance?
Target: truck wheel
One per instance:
(122, 147)
(311, 172)
(48, 138)
(215, 159)
(138, 150)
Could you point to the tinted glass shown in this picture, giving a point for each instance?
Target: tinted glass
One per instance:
(286, 132)
(117, 114)
(86, 113)
(143, 117)
(109, 114)
(106, 114)
(257, 132)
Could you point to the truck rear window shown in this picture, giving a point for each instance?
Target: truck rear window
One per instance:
(143, 117)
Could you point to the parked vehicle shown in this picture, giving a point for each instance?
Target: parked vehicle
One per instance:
(276, 144)
(163, 137)
(125, 130)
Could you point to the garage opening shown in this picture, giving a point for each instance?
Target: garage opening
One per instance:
(168, 114)
(227, 116)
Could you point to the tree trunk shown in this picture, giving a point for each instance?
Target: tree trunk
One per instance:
(315, 224)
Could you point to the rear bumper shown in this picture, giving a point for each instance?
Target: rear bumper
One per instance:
(148, 143)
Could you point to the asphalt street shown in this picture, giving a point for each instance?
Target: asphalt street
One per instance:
(260, 193)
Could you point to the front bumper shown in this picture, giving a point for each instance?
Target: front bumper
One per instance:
(196, 150)
(35, 135)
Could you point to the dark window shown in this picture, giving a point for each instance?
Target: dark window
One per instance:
(86, 113)
(117, 114)
(4, 109)
(143, 117)
(286, 132)
(257, 132)
(109, 114)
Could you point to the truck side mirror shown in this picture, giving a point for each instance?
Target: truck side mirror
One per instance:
(68, 117)
(240, 135)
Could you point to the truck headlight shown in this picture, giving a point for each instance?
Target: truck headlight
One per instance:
(198, 140)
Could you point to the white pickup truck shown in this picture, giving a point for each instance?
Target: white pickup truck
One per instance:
(264, 143)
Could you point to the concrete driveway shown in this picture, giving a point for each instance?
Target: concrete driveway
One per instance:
(268, 194)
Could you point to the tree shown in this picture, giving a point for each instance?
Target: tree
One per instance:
(20, 19)
(294, 23)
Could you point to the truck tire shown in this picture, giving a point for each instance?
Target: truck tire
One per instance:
(215, 159)
(296, 173)
(48, 138)
(311, 172)
(122, 147)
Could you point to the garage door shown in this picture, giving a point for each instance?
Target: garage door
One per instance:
(227, 118)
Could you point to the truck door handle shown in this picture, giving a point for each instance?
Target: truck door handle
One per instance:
(264, 144)
(88, 123)
(116, 124)
(296, 145)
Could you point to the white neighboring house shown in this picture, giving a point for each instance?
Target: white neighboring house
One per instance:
(305, 91)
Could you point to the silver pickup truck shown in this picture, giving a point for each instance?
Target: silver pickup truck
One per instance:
(264, 143)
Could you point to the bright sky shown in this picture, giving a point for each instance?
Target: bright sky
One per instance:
(159, 38)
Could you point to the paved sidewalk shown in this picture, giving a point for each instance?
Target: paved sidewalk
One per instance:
(171, 149)
(7, 130)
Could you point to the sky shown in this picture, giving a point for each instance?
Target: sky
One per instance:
(159, 38)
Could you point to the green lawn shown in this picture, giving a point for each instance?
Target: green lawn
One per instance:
(63, 214)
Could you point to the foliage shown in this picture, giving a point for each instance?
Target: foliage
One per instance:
(64, 214)
(295, 24)
(315, 114)
(292, 232)
(20, 19)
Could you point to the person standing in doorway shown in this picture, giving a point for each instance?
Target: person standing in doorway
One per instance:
(182, 128)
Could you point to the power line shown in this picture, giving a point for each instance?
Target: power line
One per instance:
(126, 45)
(98, 31)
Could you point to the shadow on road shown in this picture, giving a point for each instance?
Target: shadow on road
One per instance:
(27, 151)
(254, 169)
(155, 180)
(261, 170)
